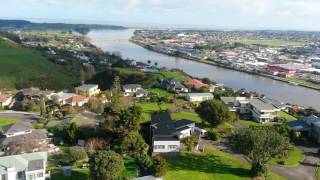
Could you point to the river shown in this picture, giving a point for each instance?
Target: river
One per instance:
(118, 41)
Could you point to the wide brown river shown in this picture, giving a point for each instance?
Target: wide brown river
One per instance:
(118, 41)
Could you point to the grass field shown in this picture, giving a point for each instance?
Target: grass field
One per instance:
(303, 82)
(77, 174)
(269, 42)
(295, 157)
(186, 115)
(250, 122)
(149, 108)
(7, 121)
(212, 164)
(19, 63)
(159, 92)
(130, 170)
(286, 116)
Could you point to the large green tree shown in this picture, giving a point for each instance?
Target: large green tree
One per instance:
(134, 144)
(190, 142)
(116, 94)
(260, 144)
(159, 166)
(129, 119)
(215, 112)
(72, 133)
(108, 165)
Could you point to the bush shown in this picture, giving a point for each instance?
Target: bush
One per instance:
(159, 166)
(213, 135)
(77, 153)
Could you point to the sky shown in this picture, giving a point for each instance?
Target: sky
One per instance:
(225, 14)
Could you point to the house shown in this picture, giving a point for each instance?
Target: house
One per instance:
(88, 90)
(199, 97)
(195, 84)
(134, 90)
(62, 97)
(5, 100)
(166, 133)
(32, 94)
(77, 101)
(32, 139)
(173, 85)
(24, 167)
(259, 109)
(309, 125)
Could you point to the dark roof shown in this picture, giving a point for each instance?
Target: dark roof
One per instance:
(23, 126)
(131, 86)
(163, 124)
(35, 165)
(298, 125)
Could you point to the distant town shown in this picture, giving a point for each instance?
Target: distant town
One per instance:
(287, 56)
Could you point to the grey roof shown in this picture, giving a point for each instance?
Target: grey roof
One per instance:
(21, 162)
(311, 119)
(200, 94)
(87, 86)
(261, 104)
(35, 165)
(141, 91)
(228, 100)
(163, 124)
(36, 134)
(18, 127)
(131, 86)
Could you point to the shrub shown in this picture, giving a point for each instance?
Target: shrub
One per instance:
(159, 166)
(77, 153)
(213, 135)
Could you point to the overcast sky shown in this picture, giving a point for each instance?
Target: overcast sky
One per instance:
(244, 14)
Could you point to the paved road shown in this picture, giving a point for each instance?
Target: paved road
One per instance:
(25, 116)
(305, 171)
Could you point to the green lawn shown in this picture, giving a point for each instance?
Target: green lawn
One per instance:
(250, 122)
(295, 157)
(77, 174)
(212, 164)
(177, 75)
(186, 115)
(286, 116)
(269, 42)
(149, 108)
(304, 82)
(159, 92)
(7, 121)
(18, 63)
(130, 170)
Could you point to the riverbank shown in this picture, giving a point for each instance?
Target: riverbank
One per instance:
(292, 82)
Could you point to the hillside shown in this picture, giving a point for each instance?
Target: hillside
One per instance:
(22, 67)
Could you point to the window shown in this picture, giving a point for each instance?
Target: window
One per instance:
(40, 174)
(159, 146)
(3, 177)
(21, 175)
(172, 147)
(31, 176)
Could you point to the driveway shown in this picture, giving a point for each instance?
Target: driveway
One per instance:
(304, 171)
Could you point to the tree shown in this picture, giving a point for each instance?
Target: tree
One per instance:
(72, 133)
(108, 165)
(116, 94)
(77, 153)
(129, 119)
(260, 144)
(215, 112)
(159, 166)
(43, 110)
(82, 78)
(134, 144)
(95, 105)
(96, 144)
(190, 142)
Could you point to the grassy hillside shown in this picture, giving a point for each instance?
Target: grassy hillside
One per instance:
(22, 67)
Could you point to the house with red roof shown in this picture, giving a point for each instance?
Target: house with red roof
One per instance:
(5, 100)
(77, 100)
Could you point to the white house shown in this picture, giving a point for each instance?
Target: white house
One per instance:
(134, 90)
(199, 97)
(166, 133)
(77, 101)
(260, 109)
(88, 90)
(24, 167)
(5, 100)
(62, 97)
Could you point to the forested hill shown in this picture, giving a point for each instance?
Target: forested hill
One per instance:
(22, 24)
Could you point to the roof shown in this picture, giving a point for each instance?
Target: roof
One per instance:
(18, 127)
(311, 119)
(195, 83)
(22, 162)
(261, 104)
(131, 86)
(64, 96)
(163, 124)
(88, 86)
(200, 94)
(36, 134)
(77, 99)
(298, 125)
(4, 98)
